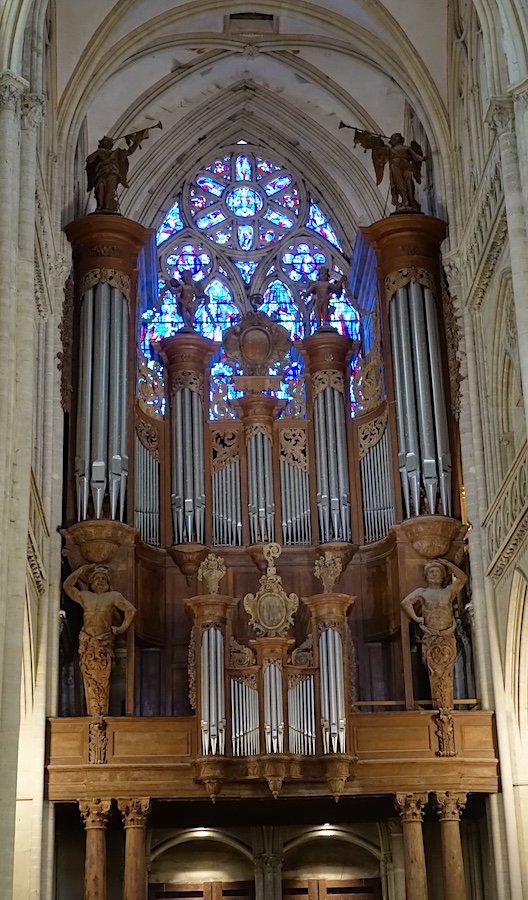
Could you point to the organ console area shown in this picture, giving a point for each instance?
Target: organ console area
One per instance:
(266, 523)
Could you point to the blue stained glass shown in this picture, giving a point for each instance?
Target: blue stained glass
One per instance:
(277, 184)
(211, 219)
(159, 323)
(223, 236)
(265, 167)
(317, 222)
(344, 318)
(172, 223)
(280, 305)
(271, 271)
(246, 268)
(212, 186)
(244, 202)
(267, 237)
(221, 371)
(198, 263)
(243, 168)
(289, 200)
(277, 218)
(222, 271)
(245, 236)
(220, 167)
(197, 201)
(219, 313)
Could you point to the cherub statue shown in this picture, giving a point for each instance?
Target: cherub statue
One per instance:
(189, 294)
(321, 291)
(405, 165)
(97, 636)
(438, 625)
(107, 168)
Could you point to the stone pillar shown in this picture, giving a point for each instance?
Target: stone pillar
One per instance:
(410, 807)
(135, 813)
(396, 871)
(268, 877)
(95, 814)
(449, 807)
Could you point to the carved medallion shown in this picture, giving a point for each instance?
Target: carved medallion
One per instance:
(256, 343)
(271, 609)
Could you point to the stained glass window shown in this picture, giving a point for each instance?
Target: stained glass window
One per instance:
(279, 305)
(172, 224)
(319, 223)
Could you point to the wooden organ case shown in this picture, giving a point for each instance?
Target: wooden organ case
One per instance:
(176, 480)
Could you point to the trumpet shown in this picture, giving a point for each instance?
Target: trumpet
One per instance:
(137, 137)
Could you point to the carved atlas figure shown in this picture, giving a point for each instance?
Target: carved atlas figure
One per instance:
(98, 633)
(435, 603)
(405, 165)
(107, 168)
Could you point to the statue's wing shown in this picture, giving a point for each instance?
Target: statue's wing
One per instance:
(380, 156)
(122, 160)
(90, 172)
(416, 164)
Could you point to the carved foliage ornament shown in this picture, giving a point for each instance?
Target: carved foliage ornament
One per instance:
(452, 329)
(188, 379)
(149, 438)
(401, 277)
(112, 277)
(258, 428)
(64, 357)
(224, 447)
(241, 657)
(220, 404)
(97, 741)
(303, 654)
(271, 609)
(328, 378)
(150, 386)
(293, 447)
(95, 812)
(367, 381)
(296, 402)
(371, 433)
(328, 568)
(445, 733)
(134, 812)
(411, 806)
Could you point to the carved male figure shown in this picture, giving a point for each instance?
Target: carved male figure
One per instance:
(189, 294)
(321, 291)
(97, 636)
(435, 603)
(106, 169)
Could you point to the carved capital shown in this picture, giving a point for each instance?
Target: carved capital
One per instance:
(11, 89)
(520, 96)
(268, 862)
(411, 806)
(501, 116)
(450, 805)
(32, 110)
(95, 812)
(135, 812)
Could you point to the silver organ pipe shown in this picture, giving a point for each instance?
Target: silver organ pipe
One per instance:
(212, 692)
(423, 436)
(261, 503)
(333, 492)
(147, 495)
(295, 504)
(101, 452)
(227, 510)
(301, 714)
(188, 487)
(273, 708)
(377, 490)
(245, 738)
(333, 717)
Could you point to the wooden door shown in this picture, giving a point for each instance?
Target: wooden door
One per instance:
(359, 889)
(208, 890)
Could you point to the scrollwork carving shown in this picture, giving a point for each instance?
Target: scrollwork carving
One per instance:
(445, 733)
(150, 386)
(220, 404)
(188, 379)
(112, 277)
(296, 403)
(224, 447)
(97, 741)
(258, 428)
(368, 383)
(241, 657)
(212, 570)
(271, 609)
(293, 447)
(401, 277)
(328, 568)
(149, 438)
(328, 378)
(371, 433)
(303, 654)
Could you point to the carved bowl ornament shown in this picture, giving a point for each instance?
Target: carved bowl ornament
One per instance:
(256, 343)
(271, 609)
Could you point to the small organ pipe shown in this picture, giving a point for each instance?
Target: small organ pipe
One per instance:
(114, 402)
(423, 392)
(413, 447)
(401, 417)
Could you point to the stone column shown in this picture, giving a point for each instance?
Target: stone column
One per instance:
(410, 807)
(95, 814)
(501, 118)
(135, 813)
(449, 807)
(268, 877)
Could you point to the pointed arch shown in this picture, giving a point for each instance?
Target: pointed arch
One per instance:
(516, 652)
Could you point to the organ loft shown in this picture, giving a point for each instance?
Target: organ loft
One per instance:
(266, 613)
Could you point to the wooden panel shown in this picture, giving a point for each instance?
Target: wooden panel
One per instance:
(474, 737)
(68, 742)
(209, 890)
(135, 740)
(391, 734)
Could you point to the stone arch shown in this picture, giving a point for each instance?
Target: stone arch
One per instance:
(195, 834)
(516, 652)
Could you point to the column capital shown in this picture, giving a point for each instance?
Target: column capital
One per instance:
(519, 93)
(11, 89)
(32, 110)
(450, 804)
(501, 115)
(411, 806)
(268, 862)
(134, 811)
(95, 812)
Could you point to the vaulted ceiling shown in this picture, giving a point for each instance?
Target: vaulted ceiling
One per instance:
(283, 74)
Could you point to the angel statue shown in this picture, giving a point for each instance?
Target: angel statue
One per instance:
(320, 293)
(107, 168)
(405, 165)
